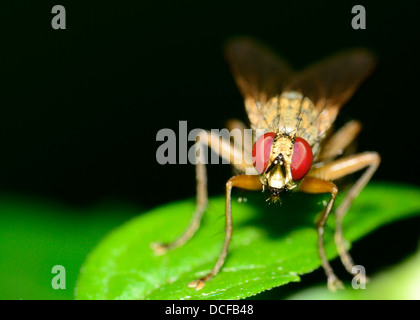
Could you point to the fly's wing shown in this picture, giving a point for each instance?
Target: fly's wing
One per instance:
(259, 74)
(331, 82)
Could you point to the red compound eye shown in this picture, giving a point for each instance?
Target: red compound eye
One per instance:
(261, 151)
(301, 159)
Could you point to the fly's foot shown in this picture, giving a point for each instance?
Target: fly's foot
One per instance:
(334, 283)
(199, 283)
(362, 278)
(159, 248)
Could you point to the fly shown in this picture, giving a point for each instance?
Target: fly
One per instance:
(296, 148)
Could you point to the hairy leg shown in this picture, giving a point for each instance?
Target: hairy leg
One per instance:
(224, 149)
(247, 182)
(340, 168)
(316, 185)
(341, 139)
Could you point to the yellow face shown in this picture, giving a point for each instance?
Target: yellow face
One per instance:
(278, 175)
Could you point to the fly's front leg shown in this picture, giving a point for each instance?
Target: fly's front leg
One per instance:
(201, 205)
(241, 134)
(341, 139)
(247, 182)
(316, 185)
(341, 168)
(224, 149)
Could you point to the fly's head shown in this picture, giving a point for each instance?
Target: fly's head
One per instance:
(282, 160)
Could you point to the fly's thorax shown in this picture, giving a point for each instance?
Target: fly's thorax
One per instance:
(297, 116)
(294, 114)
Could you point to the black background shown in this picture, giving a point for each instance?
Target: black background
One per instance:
(80, 108)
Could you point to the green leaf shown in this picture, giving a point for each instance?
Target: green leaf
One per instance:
(400, 282)
(272, 245)
(36, 234)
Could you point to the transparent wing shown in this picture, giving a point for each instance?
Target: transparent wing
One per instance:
(259, 74)
(331, 82)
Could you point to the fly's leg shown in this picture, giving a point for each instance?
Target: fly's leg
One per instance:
(247, 182)
(334, 147)
(316, 185)
(341, 139)
(242, 137)
(201, 205)
(224, 149)
(340, 168)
